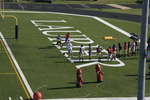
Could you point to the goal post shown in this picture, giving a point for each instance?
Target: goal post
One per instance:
(2, 13)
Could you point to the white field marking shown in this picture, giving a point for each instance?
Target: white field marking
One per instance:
(21, 98)
(104, 98)
(9, 98)
(35, 22)
(96, 60)
(90, 41)
(17, 66)
(94, 17)
(79, 47)
(50, 21)
(65, 35)
(112, 26)
(86, 42)
(60, 31)
(77, 51)
(72, 39)
(46, 33)
(86, 52)
(53, 27)
(121, 64)
(88, 64)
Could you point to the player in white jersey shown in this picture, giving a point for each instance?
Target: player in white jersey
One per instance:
(69, 49)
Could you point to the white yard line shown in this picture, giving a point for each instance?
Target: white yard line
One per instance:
(9, 98)
(47, 21)
(120, 64)
(88, 64)
(17, 66)
(112, 26)
(73, 31)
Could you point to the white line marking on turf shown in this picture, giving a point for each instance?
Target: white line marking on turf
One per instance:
(120, 64)
(61, 31)
(17, 66)
(9, 98)
(82, 35)
(84, 47)
(50, 21)
(72, 39)
(87, 64)
(21, 98)
(112, 26)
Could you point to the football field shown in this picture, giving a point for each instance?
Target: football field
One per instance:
(33, 61)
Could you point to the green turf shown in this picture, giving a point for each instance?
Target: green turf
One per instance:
(10, 86)
(45, 67)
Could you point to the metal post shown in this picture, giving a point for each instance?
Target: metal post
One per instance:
(16, 32)
(143, 51)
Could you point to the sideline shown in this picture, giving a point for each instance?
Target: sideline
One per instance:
(17, 68)
(94, 17)
(107, 98)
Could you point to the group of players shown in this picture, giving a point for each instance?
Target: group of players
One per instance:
(119, 50)
(69, 47)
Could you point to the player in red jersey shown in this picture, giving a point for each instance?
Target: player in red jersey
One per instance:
(125, 48)
(99, 73)
(67, 37)
(79, 75)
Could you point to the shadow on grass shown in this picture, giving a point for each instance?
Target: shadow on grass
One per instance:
(94, 82)
(128, 75)
(58, 88)
(90, 82)
(148, 78)
(148, 74)
(131, 75)
(47, 47)
(135, 75)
